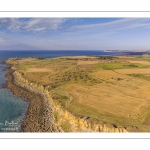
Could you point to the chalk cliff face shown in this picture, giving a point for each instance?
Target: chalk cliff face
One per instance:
(75, 124)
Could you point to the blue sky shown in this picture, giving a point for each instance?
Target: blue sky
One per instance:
(74, 33)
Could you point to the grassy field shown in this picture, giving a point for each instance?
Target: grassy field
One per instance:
(113, 90)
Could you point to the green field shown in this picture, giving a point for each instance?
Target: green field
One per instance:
(104, 88)
(112, 66)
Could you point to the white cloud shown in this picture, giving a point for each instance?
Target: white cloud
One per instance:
(115, 25)
(14, 24)
(43, 24)
(10, 23)
(34, 24)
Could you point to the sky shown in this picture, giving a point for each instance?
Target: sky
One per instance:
(74, 33)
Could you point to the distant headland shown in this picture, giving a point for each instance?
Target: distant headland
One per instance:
(130, 52)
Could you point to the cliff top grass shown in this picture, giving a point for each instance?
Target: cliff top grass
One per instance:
(113, 90)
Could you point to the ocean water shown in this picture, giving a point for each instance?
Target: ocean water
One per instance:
(12, 108)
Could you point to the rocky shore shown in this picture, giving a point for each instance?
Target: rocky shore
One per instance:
(39, 114)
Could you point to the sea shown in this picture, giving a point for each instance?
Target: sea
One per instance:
(13, 108)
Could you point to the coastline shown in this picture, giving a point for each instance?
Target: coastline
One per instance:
(39, 113)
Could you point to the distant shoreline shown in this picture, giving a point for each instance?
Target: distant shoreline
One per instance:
(130, 52)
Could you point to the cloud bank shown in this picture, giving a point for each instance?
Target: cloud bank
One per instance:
(43, 24)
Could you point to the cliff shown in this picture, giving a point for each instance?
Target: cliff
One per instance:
(63, 119)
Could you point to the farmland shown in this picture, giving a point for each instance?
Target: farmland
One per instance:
(111, 90)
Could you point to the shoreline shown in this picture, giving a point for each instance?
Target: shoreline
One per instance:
(38, 117)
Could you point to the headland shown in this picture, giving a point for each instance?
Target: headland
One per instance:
(83, 94)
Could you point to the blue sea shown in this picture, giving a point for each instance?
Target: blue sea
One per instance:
(12, 108)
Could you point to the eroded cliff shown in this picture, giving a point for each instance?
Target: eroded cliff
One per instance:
(62, 118)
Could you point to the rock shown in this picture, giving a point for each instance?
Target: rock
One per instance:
(36, 92)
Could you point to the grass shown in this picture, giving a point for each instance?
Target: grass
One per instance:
(141, 76)
(97, 117)
(60, 96)
(147, 58)
(60, 99)
(72, 76)
(66, 126)
(78, 108)
(91, 89)
(112, 66)
(56, 116)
